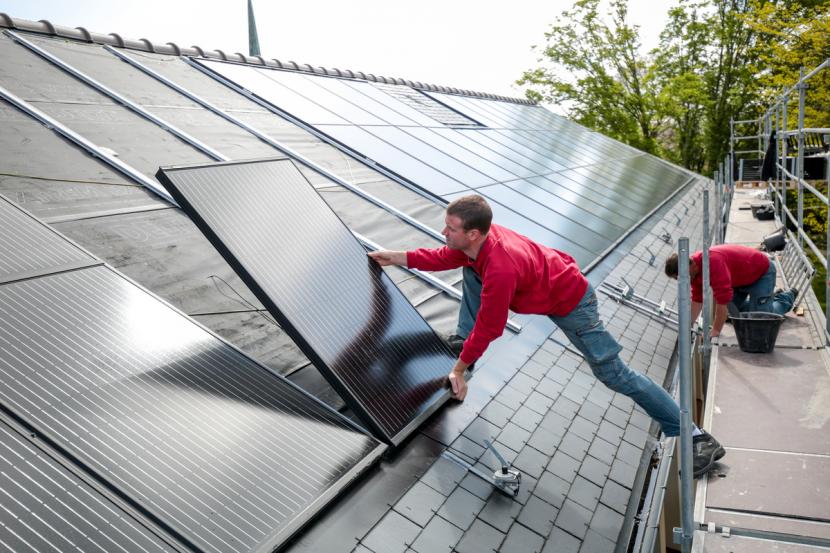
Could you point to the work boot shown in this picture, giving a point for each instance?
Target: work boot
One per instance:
(705, 451)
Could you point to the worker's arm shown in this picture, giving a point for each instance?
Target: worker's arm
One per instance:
(385, 258)
(697, 307)
(721, 311)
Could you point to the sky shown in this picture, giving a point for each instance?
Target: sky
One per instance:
(482, 45)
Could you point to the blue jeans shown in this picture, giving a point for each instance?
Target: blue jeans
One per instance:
(587, 333)
(759, 296)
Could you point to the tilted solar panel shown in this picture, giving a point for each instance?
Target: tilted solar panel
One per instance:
(224, 454)
(29, 248)
(45, 507)
(305, 266)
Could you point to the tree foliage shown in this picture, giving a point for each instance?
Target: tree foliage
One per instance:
(718, 60)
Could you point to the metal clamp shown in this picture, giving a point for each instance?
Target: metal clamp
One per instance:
(507, 480)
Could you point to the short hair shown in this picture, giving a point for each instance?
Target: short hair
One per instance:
(671, 265)
(474, 212)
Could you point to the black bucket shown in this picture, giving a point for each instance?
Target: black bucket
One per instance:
(757, 331)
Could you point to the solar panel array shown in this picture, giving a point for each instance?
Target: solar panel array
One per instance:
(214, 447)
(546, 177)
(46, 507)
(305, 266)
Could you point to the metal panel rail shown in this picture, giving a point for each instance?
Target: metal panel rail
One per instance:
(123, 100)
(90, 147)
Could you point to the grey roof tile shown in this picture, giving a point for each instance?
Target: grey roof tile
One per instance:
(555, 422)
(635, 436)
(602, 450)
(595, 470)
(585, 492)
(564, 466)
(565, 407)
(568, 361)
(584, 378)
(420, 503)
(617, 416)
(523, 383)
(526, 489)
(547, 358)
(392, 534)
(480, 538)
(511, 397)
(615, 496)
(595, 543)
(527, 418)
(610, 432)
(535, 369)
(444, 475)
(497, 413)
(522, 540)
(574, 445)
(550, 388)
(531, 461)
(480, 430)
(514, 436)
(574, 518)
(640, 419)
(623, 473)
(600, 395)
(362, 549)
(500, 512)
(538, 515)
(465, 447)
(623, 402)
(560, 541)
(583, 428)
(560, 375)
(575, 392)
(552, 489)
(545, 440)
(439, 536)
(539, 402)
(629, 453)
(607, 522)
(461, 508)
(593, 412)
(477, 486)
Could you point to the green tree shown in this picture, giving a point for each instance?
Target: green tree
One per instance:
(594, 69)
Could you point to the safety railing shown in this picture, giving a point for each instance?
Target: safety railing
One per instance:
(793, 145)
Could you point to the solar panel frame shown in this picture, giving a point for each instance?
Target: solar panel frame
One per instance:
(80, 457)
(440, 394)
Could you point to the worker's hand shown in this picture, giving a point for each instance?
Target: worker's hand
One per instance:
(458, 385)
(384, 257)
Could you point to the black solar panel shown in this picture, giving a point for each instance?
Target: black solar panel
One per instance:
(29, 248)
(224, 454)
(313, 275)
(45, 507)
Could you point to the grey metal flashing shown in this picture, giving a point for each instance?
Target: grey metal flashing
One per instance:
(426, 277)
(103, 213)
(123, 100)
(310, 129)
(271, 142)
(45, 27)
(92, 148)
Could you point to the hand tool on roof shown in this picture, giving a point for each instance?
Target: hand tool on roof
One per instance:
(505, 479)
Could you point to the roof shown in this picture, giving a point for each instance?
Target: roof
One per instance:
(583, 450)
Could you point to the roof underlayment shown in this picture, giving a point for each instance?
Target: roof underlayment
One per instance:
(583, 450)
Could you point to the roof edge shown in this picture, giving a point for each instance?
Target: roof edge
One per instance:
(46, 27)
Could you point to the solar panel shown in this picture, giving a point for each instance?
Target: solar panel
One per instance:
(28, 248)
(221, 452)
(46, 507)
(305, 266)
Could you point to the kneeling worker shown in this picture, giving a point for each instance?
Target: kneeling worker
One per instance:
(504, 270)
(737, 274)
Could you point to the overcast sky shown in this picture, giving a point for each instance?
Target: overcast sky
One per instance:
(480, 45)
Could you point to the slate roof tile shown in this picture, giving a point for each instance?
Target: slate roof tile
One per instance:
(564, 466)
(500, 512)
(552, 489)
(439, 536)
(420, 503)
(443, 476)
(461, 508)
(480, 538)
(522, 540)
(531, 461)
(393, 534)
(538, 515)
(560, 541)
(574, 518)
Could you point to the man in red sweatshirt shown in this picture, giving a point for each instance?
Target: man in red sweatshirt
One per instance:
(504, 270)
(737, 274)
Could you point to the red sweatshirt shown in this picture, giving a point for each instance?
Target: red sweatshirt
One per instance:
(516, 273)
(730, 266)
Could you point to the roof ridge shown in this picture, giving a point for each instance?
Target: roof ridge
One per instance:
(45, 26)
